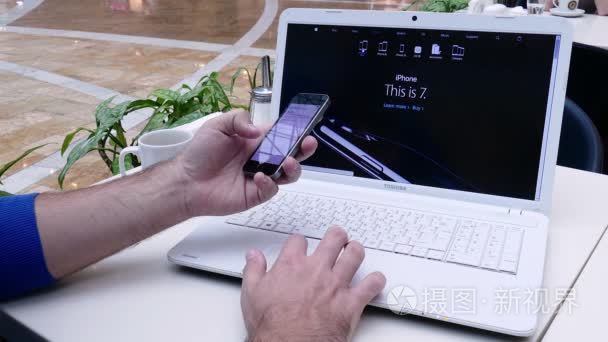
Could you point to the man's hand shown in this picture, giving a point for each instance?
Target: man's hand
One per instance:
(206, 179)
(213, 167)
(307, 298)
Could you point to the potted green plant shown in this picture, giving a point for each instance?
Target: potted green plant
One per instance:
(448, 6)
(170, 108)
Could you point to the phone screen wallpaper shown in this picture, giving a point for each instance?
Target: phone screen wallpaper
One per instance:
(285, 133)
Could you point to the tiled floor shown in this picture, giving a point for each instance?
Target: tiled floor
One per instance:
(130, 69)
(218, 21)
(36, 110)
(34, 113)
(268, 40)
(6, 5)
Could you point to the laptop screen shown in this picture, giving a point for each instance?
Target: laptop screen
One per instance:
(446, 109)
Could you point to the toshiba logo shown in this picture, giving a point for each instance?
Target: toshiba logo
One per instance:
(395, 187)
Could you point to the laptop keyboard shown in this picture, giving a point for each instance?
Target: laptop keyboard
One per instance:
(464, 241)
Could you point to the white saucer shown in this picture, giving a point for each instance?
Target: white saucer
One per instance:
(567, 13)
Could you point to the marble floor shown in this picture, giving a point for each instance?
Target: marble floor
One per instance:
(60, 58)
(217, 21)
(6, 5)
(268, 40)
(130, 69)
(33, 113)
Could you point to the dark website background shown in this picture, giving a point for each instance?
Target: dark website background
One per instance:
(481, 117)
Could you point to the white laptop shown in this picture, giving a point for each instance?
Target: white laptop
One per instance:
(438, 153)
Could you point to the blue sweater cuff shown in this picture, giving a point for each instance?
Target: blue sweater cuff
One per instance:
(22, 264)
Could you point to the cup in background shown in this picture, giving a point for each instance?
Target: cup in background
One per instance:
(566, 5)
(156, 146)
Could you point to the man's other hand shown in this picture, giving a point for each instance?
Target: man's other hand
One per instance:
(307, 298)
(213, 167)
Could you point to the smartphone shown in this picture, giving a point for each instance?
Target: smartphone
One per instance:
(303, 112)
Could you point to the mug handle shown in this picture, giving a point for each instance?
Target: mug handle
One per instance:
(121, 158)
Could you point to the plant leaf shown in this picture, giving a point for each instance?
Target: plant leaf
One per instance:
(196, 91)
(191, 107)
(107, 117)
(166, 94)
(236, 75)
(255, 75)
(68, 138)
(114, 140)
(457, 5)
(156, 121)
(103, 109)
(221, 94)
(187, 119)
(10, 164)
(203, 79)
(191, 94)
(207, 109)
(245, 107)
(141, 104)
(444, 5)
(76, 153)
(410, 5)
(128, 164)
(120, 135)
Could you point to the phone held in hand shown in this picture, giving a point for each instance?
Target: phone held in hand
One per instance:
(283, 140)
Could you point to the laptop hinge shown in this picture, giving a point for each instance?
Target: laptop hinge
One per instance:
(516, 211)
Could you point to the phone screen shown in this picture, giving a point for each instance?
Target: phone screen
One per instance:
(282, 137)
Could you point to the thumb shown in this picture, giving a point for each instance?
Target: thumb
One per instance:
(254, 270)
(364, 292)
(236, 122)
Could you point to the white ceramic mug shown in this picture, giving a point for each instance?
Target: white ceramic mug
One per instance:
(156, 146)
(566, 5)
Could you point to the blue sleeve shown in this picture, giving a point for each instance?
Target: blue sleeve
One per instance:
(22, 264)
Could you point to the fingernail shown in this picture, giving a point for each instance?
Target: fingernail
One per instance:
(250, 255)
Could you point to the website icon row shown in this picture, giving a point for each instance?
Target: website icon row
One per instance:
(383, 48)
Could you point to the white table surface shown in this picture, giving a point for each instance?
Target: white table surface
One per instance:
(585, 318)
(591, 30)
(137, 295)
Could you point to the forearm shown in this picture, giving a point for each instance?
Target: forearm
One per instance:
(81, 227)
(287, 335)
